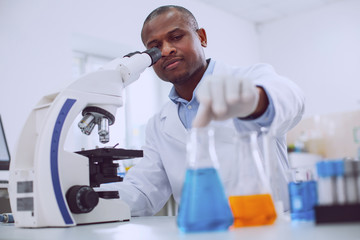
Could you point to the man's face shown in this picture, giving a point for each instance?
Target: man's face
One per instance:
(180, 45)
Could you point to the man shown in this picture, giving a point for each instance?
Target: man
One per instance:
(237, 99)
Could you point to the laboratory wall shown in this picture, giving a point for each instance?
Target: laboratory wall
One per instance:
(320, 51)
(37, 40)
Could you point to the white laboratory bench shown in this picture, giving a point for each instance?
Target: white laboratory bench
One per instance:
(159, 227)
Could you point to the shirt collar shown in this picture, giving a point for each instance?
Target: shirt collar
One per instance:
(173, 95)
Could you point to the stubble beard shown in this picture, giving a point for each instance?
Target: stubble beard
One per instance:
(184, 78)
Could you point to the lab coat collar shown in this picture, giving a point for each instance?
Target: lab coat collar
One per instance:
(172, 125)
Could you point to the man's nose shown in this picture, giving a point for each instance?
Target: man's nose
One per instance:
(168, 49)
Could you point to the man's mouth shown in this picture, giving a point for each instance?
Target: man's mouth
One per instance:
(171, 63)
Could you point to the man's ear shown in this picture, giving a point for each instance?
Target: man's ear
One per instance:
(202, 36)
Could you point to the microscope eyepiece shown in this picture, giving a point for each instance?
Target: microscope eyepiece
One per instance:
(154, 53)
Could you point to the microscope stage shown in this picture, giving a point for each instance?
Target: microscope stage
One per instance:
(112, 153)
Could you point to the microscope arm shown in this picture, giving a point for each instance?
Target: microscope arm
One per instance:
(128, 70)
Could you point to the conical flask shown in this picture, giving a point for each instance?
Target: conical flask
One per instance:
(204, 205)
(250, 193)
(275, 169)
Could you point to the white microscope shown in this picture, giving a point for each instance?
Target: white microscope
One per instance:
(52, 187)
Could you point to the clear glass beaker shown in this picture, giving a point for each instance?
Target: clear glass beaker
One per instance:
(249, 192)
(204, 205)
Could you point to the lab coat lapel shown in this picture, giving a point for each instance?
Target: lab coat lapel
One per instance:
(172, 124)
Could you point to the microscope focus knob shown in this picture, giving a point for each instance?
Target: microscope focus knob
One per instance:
(81, 199)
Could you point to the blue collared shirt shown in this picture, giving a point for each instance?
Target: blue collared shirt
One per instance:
(187, 109)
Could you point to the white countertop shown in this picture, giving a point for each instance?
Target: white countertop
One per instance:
(158, 228)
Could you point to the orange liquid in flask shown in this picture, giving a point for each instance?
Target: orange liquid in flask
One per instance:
(252, 210)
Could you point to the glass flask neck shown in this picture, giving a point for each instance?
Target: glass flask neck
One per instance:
(201, 151)
(252, 177)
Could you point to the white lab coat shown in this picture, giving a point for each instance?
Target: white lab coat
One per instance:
(160, 173)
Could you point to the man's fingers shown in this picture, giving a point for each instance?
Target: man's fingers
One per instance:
(217, 90)
(233, 90)
(203, 116)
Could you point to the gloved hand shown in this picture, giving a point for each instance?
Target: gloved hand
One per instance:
(224, 97)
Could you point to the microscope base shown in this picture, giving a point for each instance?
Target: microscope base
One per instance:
(107, 210)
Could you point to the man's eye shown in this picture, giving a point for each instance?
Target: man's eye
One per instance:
(178, 37)
(155, 45)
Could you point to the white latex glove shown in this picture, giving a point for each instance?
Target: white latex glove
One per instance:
(224, 97)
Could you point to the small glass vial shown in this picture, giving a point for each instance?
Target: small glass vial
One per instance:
(326, 183)
(350, 181)
(303, 196)
(339, 182)
(357, 169)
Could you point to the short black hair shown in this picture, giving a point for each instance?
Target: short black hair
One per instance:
(163, 9)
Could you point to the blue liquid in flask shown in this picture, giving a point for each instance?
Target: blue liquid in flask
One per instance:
(204, 206)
